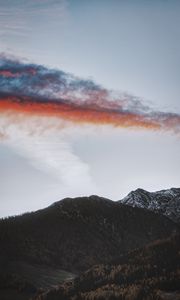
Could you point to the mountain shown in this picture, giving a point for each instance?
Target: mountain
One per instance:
(76, 233)
(166, 202)
(149, 273)
(42, 248)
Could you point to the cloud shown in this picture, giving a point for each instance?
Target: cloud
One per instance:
(54, 156)
(41, 110)
(34, 90)
(49, 150)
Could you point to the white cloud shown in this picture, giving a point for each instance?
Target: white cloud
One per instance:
(69, 160)
(46, 144)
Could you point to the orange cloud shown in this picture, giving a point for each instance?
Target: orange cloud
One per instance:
(10, 74)
(40, 91)
(77, 114)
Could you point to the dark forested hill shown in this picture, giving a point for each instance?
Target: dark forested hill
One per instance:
(42, 248)
(149, 273)
(75, 234)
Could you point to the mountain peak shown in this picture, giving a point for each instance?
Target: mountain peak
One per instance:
(81, 201)
(166, 202)
(97, 228)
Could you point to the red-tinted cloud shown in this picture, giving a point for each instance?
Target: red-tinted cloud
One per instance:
(35, 90)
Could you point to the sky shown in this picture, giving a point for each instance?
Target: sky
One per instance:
(89, 99)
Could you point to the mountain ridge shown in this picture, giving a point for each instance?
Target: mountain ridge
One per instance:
(166, 202)
(41, 248)
(96, 228)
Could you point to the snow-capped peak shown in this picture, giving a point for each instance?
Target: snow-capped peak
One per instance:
(166, 202)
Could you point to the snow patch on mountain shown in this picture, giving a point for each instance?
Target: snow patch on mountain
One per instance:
(166, 202)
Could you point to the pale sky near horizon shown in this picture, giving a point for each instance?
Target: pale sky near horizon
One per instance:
(130, 46)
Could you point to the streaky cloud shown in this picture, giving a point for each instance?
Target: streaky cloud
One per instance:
(31, 89)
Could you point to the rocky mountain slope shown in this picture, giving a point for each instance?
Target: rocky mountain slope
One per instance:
(149, 273)
(166, 202)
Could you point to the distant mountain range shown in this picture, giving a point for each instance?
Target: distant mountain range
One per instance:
(166, 202)
(38, 250)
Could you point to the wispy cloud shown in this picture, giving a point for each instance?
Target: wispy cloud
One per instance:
(31, 89)
(17, 17)
(42, 110)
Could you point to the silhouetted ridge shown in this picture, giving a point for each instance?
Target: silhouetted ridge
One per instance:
(74, 234)
(82, 201)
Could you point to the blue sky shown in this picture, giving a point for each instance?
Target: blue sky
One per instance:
(130, 46)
